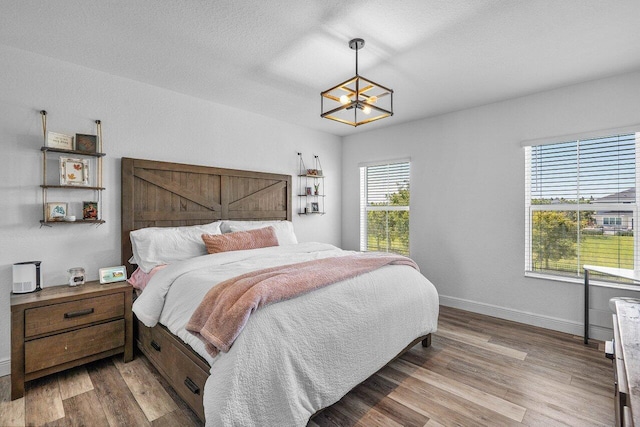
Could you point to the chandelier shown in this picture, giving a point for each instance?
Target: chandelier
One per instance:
(358, 100)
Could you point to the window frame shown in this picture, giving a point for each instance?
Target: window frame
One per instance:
(365, 208)
(530, 208)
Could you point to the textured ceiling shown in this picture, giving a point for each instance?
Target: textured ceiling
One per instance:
(275, 57)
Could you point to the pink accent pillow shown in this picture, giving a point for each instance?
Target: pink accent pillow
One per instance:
(239, 240)
(139, 278)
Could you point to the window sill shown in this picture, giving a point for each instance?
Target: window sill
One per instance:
(580, 281)
(566, 279)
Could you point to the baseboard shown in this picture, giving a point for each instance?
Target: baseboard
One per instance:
(548, 322)
(5, 367)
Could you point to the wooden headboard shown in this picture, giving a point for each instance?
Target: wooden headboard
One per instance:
(163, 194)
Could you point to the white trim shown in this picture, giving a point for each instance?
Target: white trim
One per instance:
(602, 133)
(5, 367)
(634, 208)
(636, 217)
(580, 281)
(548, 322)
(364, 237)
(381, 177)
(527, 209)
(555, 278)
(388, 162)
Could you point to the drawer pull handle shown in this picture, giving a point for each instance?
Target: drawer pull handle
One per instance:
(78, 313)
(155, 345)
(192, 386)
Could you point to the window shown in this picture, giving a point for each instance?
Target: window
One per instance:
(612, 221)
(384, 207)
(581, 205)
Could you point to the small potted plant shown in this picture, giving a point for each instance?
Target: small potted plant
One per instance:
(316, 188)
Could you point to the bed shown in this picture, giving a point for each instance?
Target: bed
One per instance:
(300, 366)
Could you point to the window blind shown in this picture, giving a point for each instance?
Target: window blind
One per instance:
(581, 205)
(584, 171)
(384, 207)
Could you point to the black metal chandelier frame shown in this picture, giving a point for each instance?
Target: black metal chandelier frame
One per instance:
(357, 94)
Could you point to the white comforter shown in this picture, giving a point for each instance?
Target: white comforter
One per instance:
(297, 356)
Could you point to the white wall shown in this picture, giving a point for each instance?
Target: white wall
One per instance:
(467, 211)
(467, 197)
(139, 121)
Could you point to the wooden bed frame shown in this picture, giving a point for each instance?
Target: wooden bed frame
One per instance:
(163, 194)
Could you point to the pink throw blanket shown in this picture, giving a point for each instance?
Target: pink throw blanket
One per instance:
(226, 308)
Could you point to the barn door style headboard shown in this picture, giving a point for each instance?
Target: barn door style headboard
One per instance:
(163, 194)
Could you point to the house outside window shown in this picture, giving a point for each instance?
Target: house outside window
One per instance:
(384, 207)
(581, 205)
(612, 221)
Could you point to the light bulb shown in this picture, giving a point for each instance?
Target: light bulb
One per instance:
(344, 99)
(372, 99)
(366, 109)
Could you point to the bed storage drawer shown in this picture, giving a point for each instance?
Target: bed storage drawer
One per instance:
(182, 367)
(150, 342)
(189, 379)
(62, 348)
(57, 317)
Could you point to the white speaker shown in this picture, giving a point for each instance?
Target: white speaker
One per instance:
(26, 277)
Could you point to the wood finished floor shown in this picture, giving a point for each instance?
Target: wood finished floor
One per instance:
(479, 371)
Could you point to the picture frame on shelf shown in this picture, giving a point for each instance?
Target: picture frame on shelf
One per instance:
(74, 171)
(315, 207)
(112, 274)
(90, 211)
(56, 211)
(86, 143)
(308, 191)
(59, 141)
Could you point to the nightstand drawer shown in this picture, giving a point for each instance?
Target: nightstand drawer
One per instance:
(57, 317)
(58, 349)
(64, 326)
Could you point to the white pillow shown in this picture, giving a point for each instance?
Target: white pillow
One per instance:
(154, 246)
(284, 229)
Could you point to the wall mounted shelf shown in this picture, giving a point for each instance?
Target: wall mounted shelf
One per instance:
(311, 188)
(93, 163)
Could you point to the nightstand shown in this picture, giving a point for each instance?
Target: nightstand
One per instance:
(62, 326)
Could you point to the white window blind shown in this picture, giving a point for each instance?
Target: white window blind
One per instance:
(581, 205)
(384, 207)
